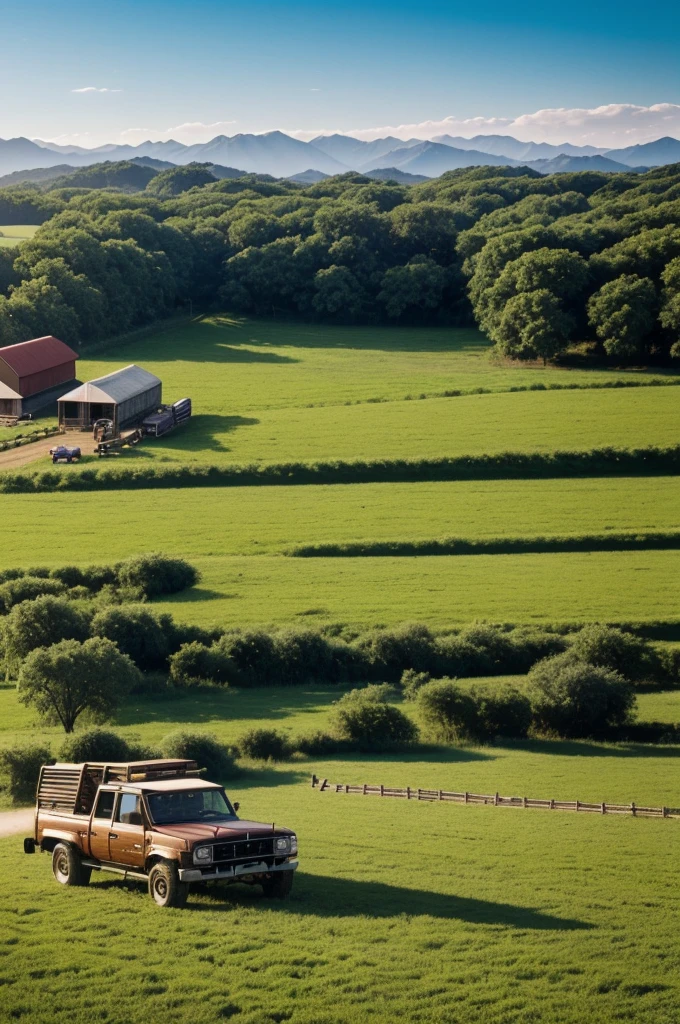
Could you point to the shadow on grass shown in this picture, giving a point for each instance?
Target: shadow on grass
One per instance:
(215, 704)
(204, 432)
(320, 896)
(591, 748)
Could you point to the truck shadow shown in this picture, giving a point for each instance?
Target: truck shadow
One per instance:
(319, 896)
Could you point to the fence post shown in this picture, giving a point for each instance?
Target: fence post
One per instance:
(524, 801)
(364, 792)
(324, 784)
(466, 796)
(578, 805)
(665, 812)
(495, 800)
(552, 805)
(632, 809)
(440, 794)
(314, 781)
(419, 791)
(346, 787)
(604, 807)
(382, 789)
(408, 792)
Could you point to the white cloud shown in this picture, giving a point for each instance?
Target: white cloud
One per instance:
(190, 132)
(93, 88)
(611, 126)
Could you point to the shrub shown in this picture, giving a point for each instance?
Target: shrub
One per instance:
(41, 623)
(669, 662)
(459, 657)
(21, 767)
(321, 744)
(70, 678)
(449, 712)
(575, 699)
(610, 648)
(389, 652)
(529, 645)
(500, 711)
(137, 632)
(156, 574)
(412, 681)
(252, 654)
(364, 719)
(195, 663)
(203, 748)
(27, 588)
(265, 745)
(94, 745)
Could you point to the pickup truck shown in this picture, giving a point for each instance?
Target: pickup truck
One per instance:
(156, 821)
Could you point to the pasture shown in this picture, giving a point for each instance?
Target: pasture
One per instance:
(430, 913)
(12, 234)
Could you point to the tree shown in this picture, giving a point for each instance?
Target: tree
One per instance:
(337, 293)
(610, 648)
(70, 678)
(533, 325)
(578, 700)
(623, 314)
(41, 623)
(136, 632)
(448, 711)
(417, 287)
(670, 310)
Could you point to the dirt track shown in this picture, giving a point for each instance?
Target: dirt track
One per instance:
(12, 822)
(16, 457)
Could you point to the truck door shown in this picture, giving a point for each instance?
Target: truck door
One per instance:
(126, 837)
(100, 825)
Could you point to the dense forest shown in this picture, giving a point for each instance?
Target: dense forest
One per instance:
(538, 262)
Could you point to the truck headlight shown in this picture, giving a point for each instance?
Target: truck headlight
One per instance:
(293, 844)
(282, 845)
(203, 855)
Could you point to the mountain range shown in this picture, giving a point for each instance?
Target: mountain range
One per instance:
(282, 156)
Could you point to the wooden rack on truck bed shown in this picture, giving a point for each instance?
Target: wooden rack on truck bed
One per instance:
(64, 787)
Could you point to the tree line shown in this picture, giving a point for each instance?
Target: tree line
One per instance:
(538, 262)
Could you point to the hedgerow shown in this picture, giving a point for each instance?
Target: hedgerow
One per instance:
(647, 461)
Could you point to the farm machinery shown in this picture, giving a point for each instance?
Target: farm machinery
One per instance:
(165, 419)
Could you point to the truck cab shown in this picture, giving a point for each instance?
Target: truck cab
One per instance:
(157, 821)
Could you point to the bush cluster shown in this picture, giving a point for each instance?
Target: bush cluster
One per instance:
(142, 578)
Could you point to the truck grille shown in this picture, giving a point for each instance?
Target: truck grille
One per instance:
(244, 850)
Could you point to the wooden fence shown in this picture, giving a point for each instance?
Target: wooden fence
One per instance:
(495, 799)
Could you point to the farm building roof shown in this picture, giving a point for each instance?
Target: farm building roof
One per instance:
(38, 354)
(115, 387)
(6, 392)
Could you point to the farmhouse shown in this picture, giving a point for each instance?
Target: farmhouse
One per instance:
(125, 397)
(34, 368)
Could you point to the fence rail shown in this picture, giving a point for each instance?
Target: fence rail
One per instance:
(494, 799)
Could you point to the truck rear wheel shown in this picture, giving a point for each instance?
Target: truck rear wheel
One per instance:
(165, 886)
(67, 866)
(279, 886)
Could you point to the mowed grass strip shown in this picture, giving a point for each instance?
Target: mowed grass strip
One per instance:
(441, 591)
(423, 912)
(236, 365)
(12, 234)
(435, 428)
(267, 520)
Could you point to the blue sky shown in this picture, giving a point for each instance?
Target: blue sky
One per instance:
(206, 67)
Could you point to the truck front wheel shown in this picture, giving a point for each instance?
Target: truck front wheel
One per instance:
(165, 886)
(67, 866)
(279, 886)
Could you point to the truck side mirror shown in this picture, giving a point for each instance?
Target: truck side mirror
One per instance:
(236, 806)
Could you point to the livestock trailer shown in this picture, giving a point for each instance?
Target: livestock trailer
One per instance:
(125, 397)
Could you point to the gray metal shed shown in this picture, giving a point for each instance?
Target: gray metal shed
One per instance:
(125, 396)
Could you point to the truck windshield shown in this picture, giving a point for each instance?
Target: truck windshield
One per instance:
(189, 805)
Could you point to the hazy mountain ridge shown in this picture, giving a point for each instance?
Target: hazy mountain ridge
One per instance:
(283, 156)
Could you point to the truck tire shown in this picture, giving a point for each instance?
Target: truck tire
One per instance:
(165, 886)
(67, 866)
(279, 886)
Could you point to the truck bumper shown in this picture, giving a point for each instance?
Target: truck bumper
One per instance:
(218, 874)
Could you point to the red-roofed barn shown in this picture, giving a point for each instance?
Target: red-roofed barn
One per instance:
(38, 365)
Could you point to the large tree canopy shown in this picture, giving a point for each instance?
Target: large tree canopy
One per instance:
(539, 262)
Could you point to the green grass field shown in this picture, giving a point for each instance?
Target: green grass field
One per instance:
(432, 913)
(436, 427)
(12, 234)
(269, 520)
